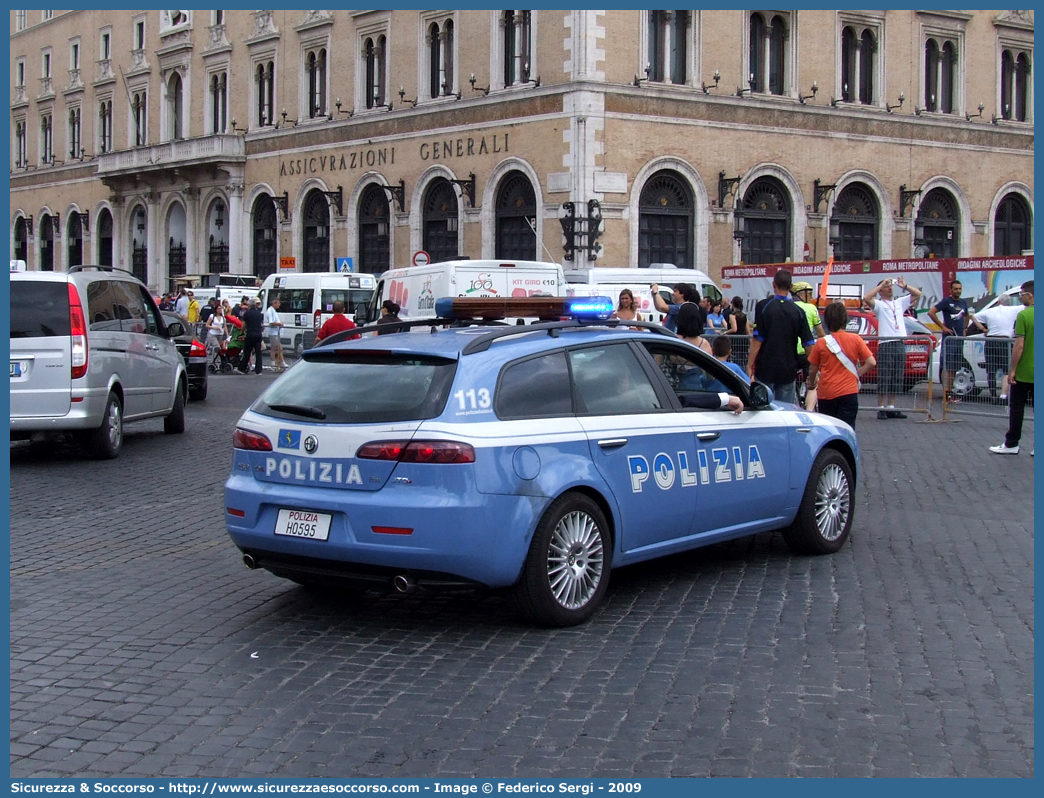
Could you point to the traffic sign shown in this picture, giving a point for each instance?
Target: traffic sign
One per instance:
(288, 263)
(344, 265)
(421, 258)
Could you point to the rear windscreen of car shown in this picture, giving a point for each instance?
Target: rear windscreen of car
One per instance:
(39, 309)
(360, 388)
(292, 300)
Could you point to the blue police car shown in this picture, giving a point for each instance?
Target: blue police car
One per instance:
(532, 457)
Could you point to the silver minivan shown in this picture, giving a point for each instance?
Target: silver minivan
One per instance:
(89, 352)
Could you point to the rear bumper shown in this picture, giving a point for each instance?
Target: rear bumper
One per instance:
(455, 540)
(83, 415)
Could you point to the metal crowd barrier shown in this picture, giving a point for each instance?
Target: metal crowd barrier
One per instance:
(979, 384)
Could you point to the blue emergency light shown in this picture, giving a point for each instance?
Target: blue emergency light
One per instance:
(588, 308)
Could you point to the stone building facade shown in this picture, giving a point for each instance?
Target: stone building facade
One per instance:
(173, 142)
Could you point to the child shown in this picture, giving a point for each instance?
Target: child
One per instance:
(721, 348)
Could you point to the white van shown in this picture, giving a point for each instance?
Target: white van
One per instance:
(306, 301)
(223, 285)
(607, 281)
(416, 288)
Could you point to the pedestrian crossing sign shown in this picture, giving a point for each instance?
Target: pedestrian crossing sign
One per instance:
(344, 264)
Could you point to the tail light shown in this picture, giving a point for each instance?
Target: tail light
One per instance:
(317, 319)
(251, 441)
(197, 349)
(440, 452)
(78, 334)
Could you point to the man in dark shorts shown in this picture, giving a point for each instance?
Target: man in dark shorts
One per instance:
(955, 314)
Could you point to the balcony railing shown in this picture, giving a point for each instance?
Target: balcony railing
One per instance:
(75, 82)
(105, 69)
(46, 87)
(185, 152)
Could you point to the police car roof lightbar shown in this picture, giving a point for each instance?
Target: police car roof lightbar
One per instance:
(588, 308)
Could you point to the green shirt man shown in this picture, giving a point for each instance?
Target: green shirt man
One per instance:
(802, 294)
(1020, 374)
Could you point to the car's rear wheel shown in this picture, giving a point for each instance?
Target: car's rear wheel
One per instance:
(824, 518)
(175, 422)
(105, 442)
(567, 569)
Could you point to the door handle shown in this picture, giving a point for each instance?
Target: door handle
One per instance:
(612, 443)
(707, 436)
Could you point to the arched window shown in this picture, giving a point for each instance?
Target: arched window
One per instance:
(105, 238)
(374, 55)
(1015, 69)
(21, 239)
(854, 224)
(75, 240)
(440, 59)
(264, 77)
(1011, 227)
(939, 64)
(937, 224)
(46, 243)
(316, 232)
(264, 237)
(668, 46)
(315, 66)
(517, 33)
(516, 208)
(867, 54)
(666, 220)
(175, 107)
(765, 221)
(767, 56)
(374, 231)
(440, 221)
(218, 102)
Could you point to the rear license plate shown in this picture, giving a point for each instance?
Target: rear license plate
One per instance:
(16, 369)
(915, 348)
(303, 524)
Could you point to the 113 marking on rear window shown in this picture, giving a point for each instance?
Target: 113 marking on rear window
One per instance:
(472, 400)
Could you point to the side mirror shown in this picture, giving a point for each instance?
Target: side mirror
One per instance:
(362, 315)
(174, 329)
(760, 395)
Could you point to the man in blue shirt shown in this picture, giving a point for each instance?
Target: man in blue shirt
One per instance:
(779, 326)
(955, 313)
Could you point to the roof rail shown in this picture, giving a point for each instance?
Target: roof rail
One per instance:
(85, 266)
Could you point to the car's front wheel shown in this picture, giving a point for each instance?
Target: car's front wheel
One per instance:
(105, 442)
(824, 518)
(964, 380)
(567, 569)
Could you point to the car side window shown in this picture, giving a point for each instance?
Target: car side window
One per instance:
(609, 379)
(687, 373)
(129, 307)
(103, 307)
(151, 322)
(535, 388)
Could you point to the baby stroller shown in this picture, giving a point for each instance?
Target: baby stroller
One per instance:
(224, 359)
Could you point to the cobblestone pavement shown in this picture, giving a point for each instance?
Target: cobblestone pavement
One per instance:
(141, 646)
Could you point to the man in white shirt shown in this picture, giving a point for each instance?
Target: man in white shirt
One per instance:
(181, 305)
(891, 350)
(998, 323)
(273, 328)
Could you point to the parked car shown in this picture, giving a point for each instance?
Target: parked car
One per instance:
(89, 352)
(192, 351)
(533, 458)
(864, 323)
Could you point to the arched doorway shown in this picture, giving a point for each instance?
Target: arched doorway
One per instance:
(105, 238)
(316, 232)
(176, 234)
(666, 219)
(853, 224)
(139, 244)
(75, 240)
(937, 224)
(21, 239)
(374, 231)
(46, 243)
(264, 236)
(217, 239)
(516, 207)
(1011, 227)
(440, 221)
(764, 221)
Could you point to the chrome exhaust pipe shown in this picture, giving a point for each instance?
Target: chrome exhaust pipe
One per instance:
(403, 583)
(249, 561)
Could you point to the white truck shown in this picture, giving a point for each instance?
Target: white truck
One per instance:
(608, 282)
(414, 289)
